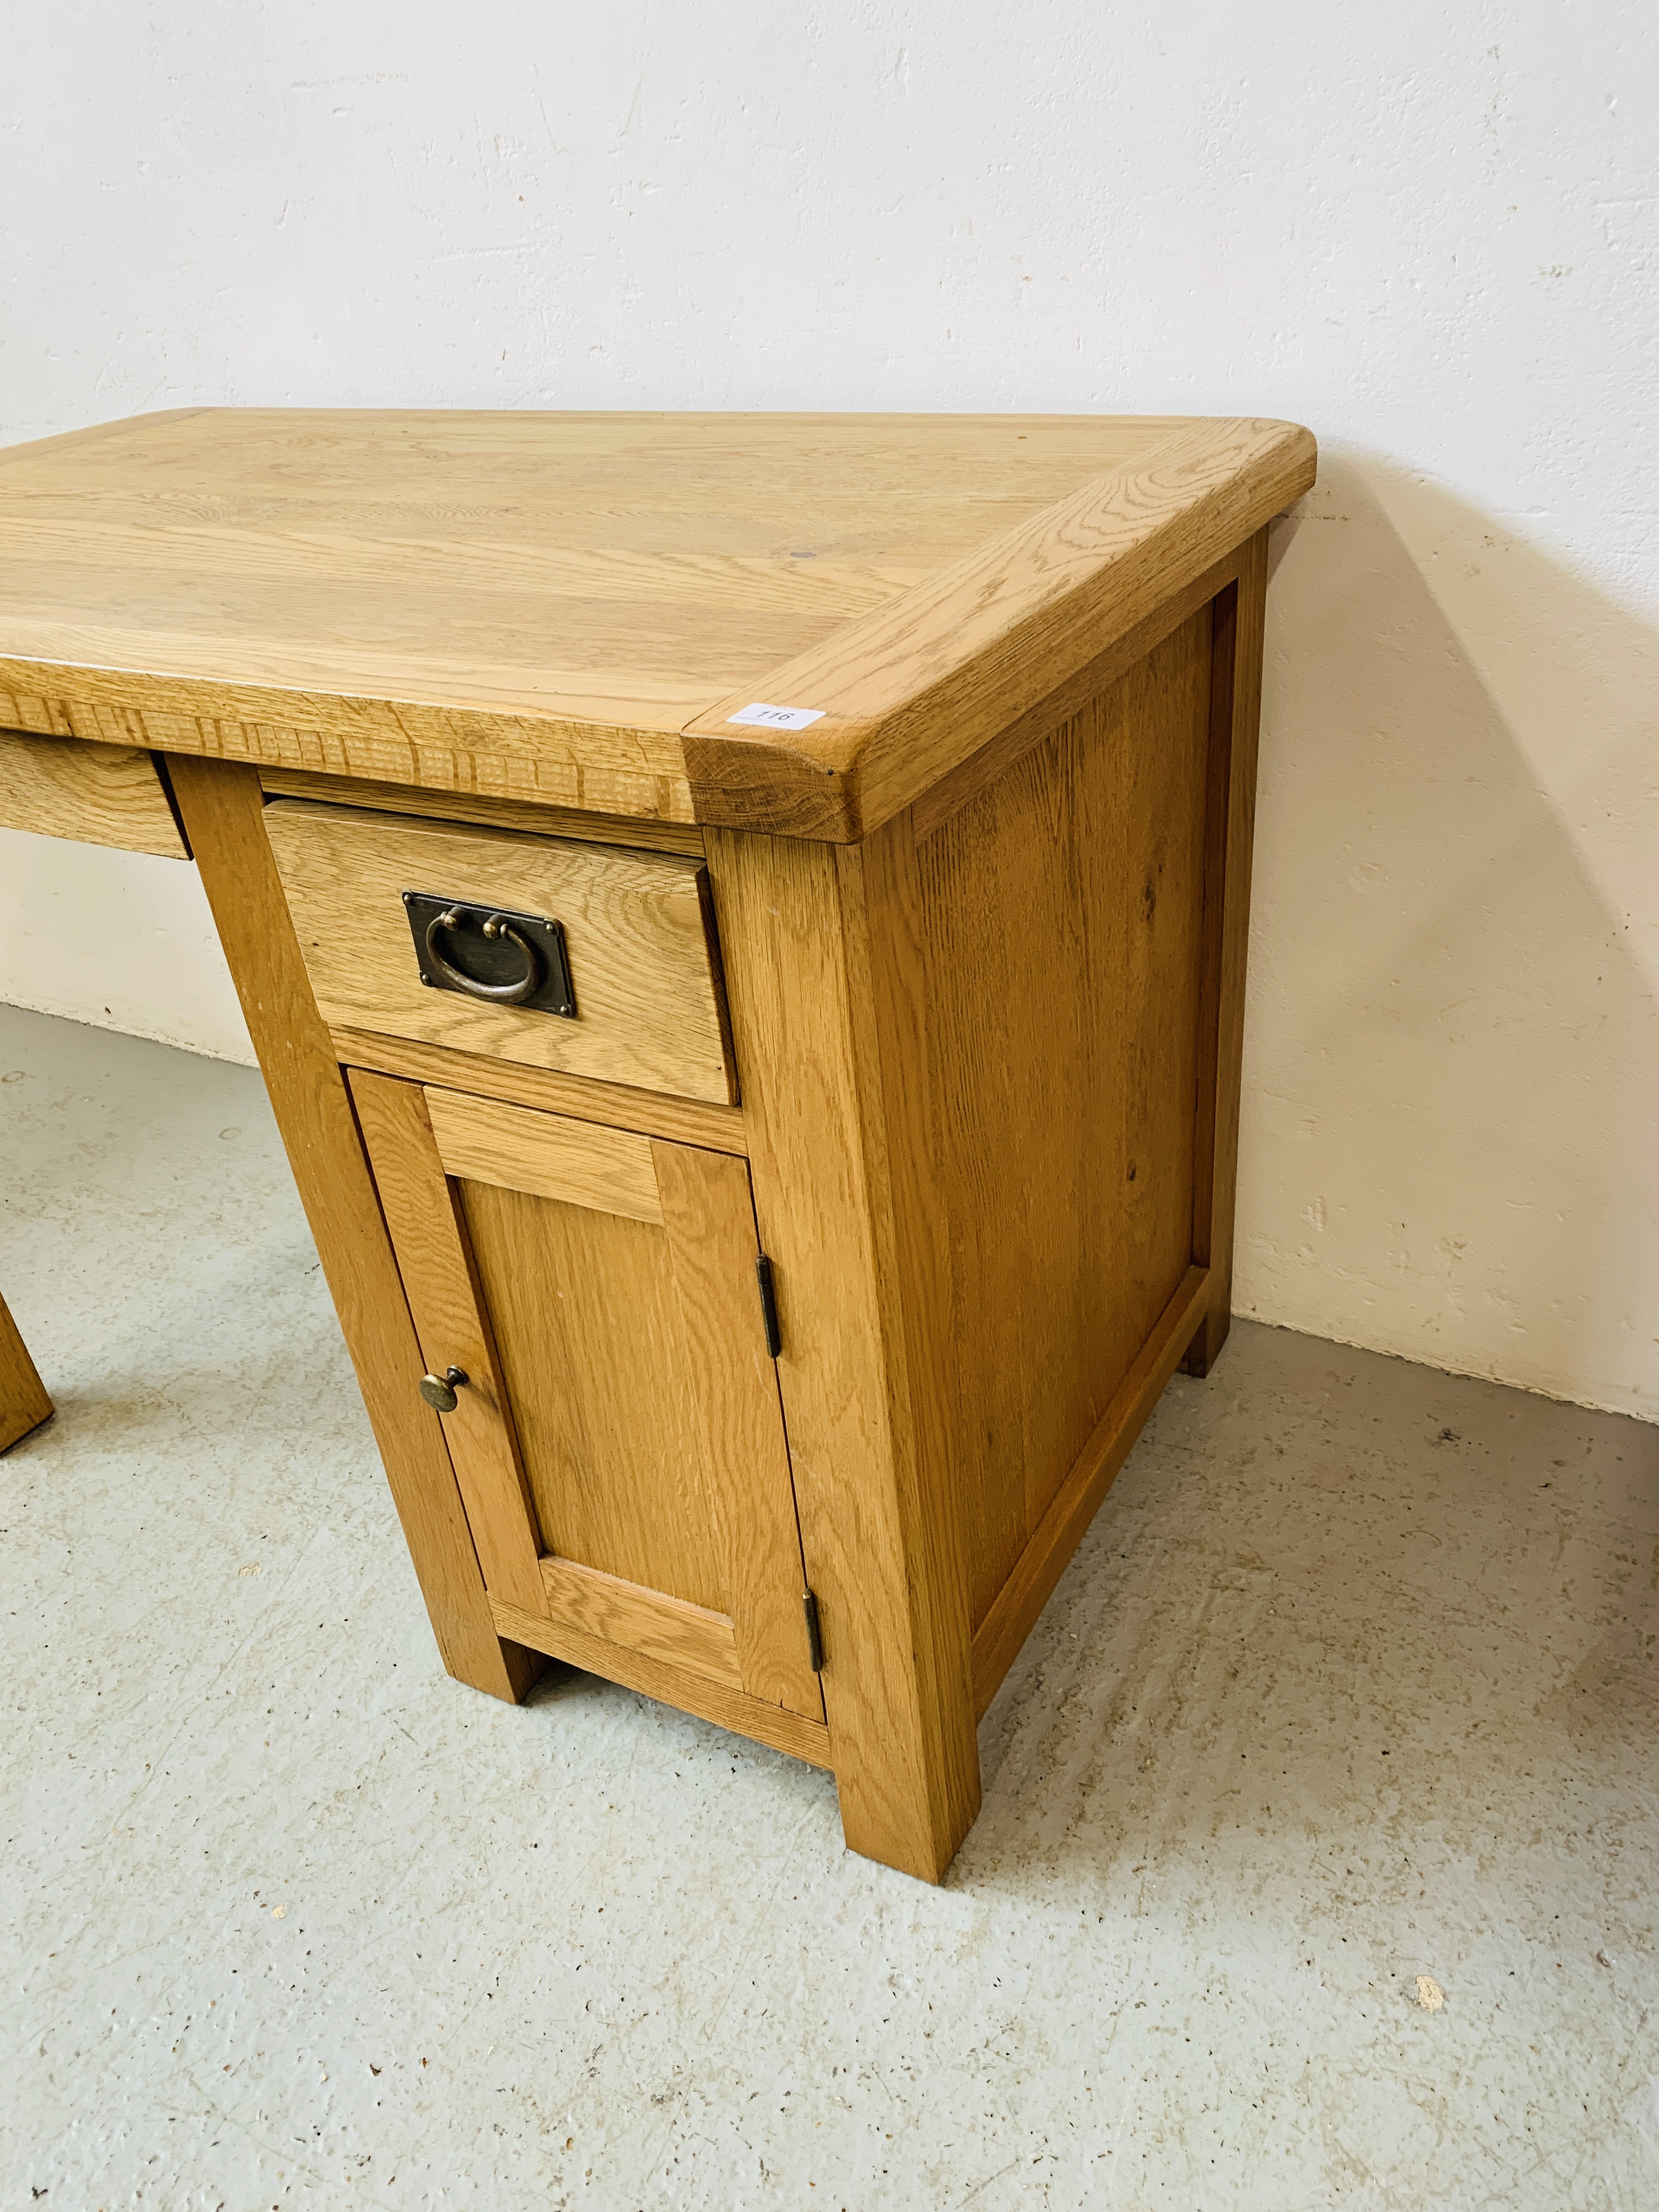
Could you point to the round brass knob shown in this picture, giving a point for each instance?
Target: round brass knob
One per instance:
(438, 1390)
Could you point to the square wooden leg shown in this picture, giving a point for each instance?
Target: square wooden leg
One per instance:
(24, 1400)
(1235, 726)
(222, 804)
(875, 1528)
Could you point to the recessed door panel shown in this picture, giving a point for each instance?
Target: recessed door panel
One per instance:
(594, 1354)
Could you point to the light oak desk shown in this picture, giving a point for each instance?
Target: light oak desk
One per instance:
(743, 921)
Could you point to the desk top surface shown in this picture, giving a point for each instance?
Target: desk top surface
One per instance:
(573, 606)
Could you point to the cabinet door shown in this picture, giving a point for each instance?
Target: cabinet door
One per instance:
(619, 1439)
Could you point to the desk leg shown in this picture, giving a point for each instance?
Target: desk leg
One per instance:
(24, 1400)
(221, 806)
(814, 956)
(1235, 725)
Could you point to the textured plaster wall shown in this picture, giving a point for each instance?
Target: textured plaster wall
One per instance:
(1432, 234)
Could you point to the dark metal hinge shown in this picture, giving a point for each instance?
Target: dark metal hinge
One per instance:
(768, 1307)
(809, 1605)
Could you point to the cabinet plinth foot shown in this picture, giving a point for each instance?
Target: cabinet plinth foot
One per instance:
(1205, 1349)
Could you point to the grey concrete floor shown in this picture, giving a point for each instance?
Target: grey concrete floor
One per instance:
(1352, 1682)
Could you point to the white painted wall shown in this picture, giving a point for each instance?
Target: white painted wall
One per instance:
(1432, 233)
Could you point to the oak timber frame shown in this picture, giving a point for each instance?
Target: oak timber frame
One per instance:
(980, 901)
(819, 930)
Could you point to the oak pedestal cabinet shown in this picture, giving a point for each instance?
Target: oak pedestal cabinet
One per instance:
(742, 920)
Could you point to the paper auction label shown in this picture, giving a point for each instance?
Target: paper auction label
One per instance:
(761, 716)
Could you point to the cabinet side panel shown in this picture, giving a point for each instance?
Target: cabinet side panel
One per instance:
(1062, 920)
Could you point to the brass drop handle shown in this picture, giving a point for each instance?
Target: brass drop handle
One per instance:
(438, 1390)
(502, 994)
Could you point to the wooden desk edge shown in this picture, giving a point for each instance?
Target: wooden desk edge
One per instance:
(909, 693)
(29, 449)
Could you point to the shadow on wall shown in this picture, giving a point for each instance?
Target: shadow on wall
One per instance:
(1452, 1055)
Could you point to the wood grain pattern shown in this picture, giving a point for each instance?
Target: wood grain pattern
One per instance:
(993, 759)
(895, 1684)
(652, 1113)
(682, 1686)
(1013, 1612)
(97, 794)
(1235, 726)
(592, 1341)
(535, 607)
(1060, 921)
(597, 764)
(708, 1214)
(430, 1240)
(913, 689)
(637, 832)
(123, 436)
(223, 808)
(635, 1523)
(24, 1403)
(985, 922)
(574, 1162)
(646, 1621)
(647, 1004)
(607, 570)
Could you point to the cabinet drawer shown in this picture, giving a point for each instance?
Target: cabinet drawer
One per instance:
(635, 931)
(97, 794)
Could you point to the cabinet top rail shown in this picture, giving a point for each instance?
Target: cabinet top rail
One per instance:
(573, 607)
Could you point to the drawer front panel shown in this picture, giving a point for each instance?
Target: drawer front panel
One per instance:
(97, 794)
(635, 926)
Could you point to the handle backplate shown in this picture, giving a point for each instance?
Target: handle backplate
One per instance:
(487, 953)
